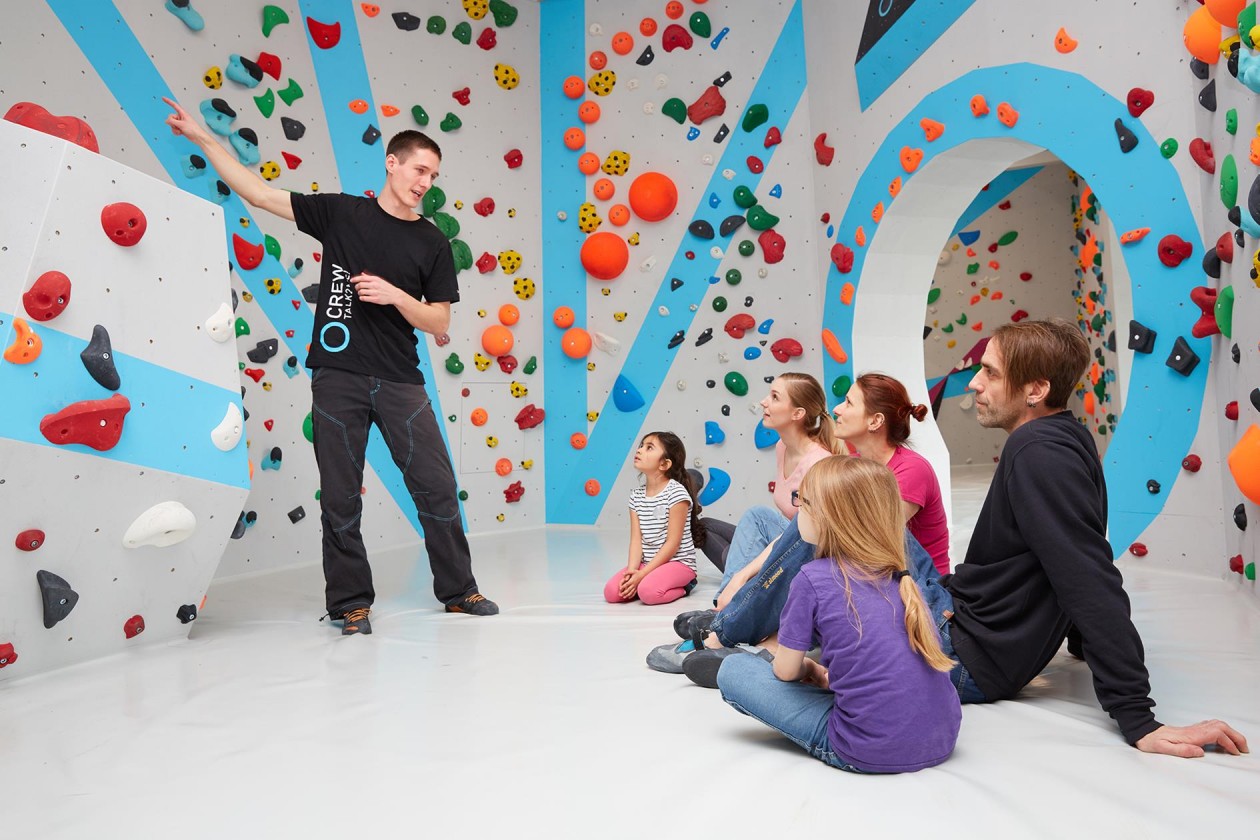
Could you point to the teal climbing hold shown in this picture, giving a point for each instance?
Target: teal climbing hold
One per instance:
(625, 396)
(713, 433)
(719, 482)
(736, 383)
(764, 438)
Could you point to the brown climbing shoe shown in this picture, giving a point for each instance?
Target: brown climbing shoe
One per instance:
(356, 621)
(474, 604)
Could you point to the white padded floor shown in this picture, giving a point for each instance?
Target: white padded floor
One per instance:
(544, 722)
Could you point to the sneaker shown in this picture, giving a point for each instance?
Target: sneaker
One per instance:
(668, 659)
(702, 669)
(688, 624)
(355, 622)
(474, 604)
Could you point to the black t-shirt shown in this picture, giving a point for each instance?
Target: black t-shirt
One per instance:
(358, 236)
(1038, 563)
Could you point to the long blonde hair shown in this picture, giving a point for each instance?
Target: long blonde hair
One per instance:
(804, 392)
(856, 507)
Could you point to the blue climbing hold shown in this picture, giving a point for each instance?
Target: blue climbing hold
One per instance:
(751, 353)
(831, 231)
(693, 133)
(776, 191)
(217, 115)
(717, 39)
(192, 165)
(714, 201)
(296, 268)
(714, 280)
(183, 10)
(291, 366)
(968, 237)
(764, 326)
(713, 433)
(625, 396)
(719, 483)
(245, 144)
(764, 438)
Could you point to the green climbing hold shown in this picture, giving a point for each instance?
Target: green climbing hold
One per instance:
(420, 115)
(1224, 311)
(450, 122)
(266, 103)
(434, 200)
(531, 365)
(934, 294)
(675, 109)
(744, 197)
(736, 383)
(463, 495)
(271, 245)
(1246, 21)
(453, 364)
(948, 328)
(699, 23)
(733, 277)
(746, 248)
(291, 93)
(451, 418)
(436, 25)
(1231, 120)
(1249, 571)
(462, 32)
(1168, 148)
(972, 268)
(462, 254)
(446, 223)
(273, 16)
(1100, 388)
(719, 304)
(840, 387)
(504, 13)
(961, 320)
(1096, 324)
(240, 366)
(759, 218)
(1229, 182)
(755, 116)
(242, 327)
(308, 428)
(1008, 238)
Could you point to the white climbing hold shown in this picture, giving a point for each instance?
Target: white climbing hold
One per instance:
(715, 252)
(228, 433)
(663, 311)
(661, 81)
(219, 325)
(967, 401)
(694, 307)
(763, 273)
(632, 84)
(707, 159)
(681, 385)
(561, 215)
(166, 523)
(595, 29)
(605, 342)
(648, 264)
(944, 257)
(649, 108)
(755, 408)
(723, 358)
(728, 174)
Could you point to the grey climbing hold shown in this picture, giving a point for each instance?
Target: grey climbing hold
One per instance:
(98, 358)
(59, 599)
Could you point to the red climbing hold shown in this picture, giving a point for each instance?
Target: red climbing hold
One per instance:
(248, 255)
(29, 540)
(739, 324)
(484, 207)
(786, 349)
(513, 492)
(1018, 315)
(1204, 298)
(269, 64)
(325, 35)
(487, 39)
(71, 129)
(1236, 564)
(710, 104)
(124, 223)
(773, 136)
(675, 37)
(255, 374)
(1201, 153)
(1139, 100)
(1137, 549)
(772, 246)
(1173, 249)
(824, 153)
(1192, 463)
(94, 423)
(486, 262)
(529, 417)
(1025, 276)
(1225, 248)
(290, 160)
(513, 158)
(134, 626)
(269, 424)
(508, 363)
(48, 296)
(755, 165)
(7, 655)
(463, 96)
(1231, 410)
(842, 256)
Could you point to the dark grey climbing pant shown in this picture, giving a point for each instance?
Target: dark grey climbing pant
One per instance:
(345, 406)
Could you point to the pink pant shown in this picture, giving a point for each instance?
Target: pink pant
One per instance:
(663, 584)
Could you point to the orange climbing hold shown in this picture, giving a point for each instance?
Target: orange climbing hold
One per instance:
(574, 138)
(1089, 402)
(503, 467)
(911, 158)
(576, 343)
(1135, 235)
(588, 163)
(370, 9)
(604, 255)
(479, 417)
(598, 60)
(622, 43)
(673, 10)
(574, 87)
(833, 348)
(1244, 463)
(26, 345)
(588, 112)
(619, 214)
(846, 294)
(859, 236)
(1254, 153)
(1007, 115)
(577, 440)
(894, 188)
(358, 106)
(1202, 35)
(389, 111)
(509, 314)
(563, 317)
(1064, 43)
(978, 106)
(604, 189)
(647, 28)
(931, 129)
(877, 213)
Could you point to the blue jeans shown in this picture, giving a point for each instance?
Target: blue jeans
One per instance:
(799, 711)
(941, 604)
(757, 528)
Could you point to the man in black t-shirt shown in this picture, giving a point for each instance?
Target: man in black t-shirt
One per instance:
(385, 273)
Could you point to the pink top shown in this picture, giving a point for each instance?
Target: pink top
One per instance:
(919, 487)
(784, 485)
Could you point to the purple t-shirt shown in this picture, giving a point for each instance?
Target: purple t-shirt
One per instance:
(892, 713)
(919, 486)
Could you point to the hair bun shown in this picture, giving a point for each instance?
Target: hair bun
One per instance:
(919, 412)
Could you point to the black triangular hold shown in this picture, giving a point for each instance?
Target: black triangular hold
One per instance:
(59, 599)
(675, 284)
(98, 358)
(371, 135)
(1207, 96)
(1199, 68)
(1182, 359)
(1111, 341)
(293, 129)
(1141, 339)
(1128, 140)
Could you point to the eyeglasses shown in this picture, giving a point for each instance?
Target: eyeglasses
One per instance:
(798, 500)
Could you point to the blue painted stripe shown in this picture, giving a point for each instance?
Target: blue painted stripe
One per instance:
(168, 427)
(779, 86)
(1074, 119)
(903, 44)
(999, 189)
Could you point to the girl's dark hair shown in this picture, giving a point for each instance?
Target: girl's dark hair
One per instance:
(676, 453)
(887, 396)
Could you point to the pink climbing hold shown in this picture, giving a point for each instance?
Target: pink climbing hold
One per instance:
(1173, 250)
(676, 38)
(772, 246)
(94, 423)
(786, 349)
(739, 324)
(842, 256)
(824, 153)
(710, 104)
(325, 35)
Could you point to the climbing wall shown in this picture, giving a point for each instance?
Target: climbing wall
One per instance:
(122, 463)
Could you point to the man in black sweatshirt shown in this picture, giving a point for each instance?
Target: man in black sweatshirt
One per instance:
(1039, 563)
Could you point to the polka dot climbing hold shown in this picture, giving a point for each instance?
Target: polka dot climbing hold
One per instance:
(605, 255)
(653, 196)
(325, 35)
(823, 153)
(715, 488)
(1063, 42)
(625, 396)
(57, 596)
(1173, 250)
(1244, 463)
(832, 345)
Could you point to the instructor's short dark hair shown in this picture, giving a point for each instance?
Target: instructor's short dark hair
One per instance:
(404, 143)
(1052, 350)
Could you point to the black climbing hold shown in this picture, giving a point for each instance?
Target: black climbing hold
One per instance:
(1111, 341)
(926, 331)
(310, 293)
(1207, 96)
(276, 455)
(1081, 237)
(1254, 396)
(721, 81)
(241, 525)
(1152, 487)
(371, 135)
(98, 358)
(186, 613)
(222, 189)
(675, 284)
(701, 229)
(710, 384)
(1182, 359)
(748, 301)
(1240, 517)
(406, 21)
(1211, 263)
(197, 161)
(1236, 353)
(678, 339)
(1141, 339)
(646, 57)
(252, 69)
(722, 133)
(1128, 140)
(59, 599)
(1199, 68)
(293, 129)
(1253, 200)
(1238, 238)
(767, 379)
(249, 134)
(726, 411)
(223, 108)
(1235, 215)
(244, 410)
(263, 351)
(1231, 63)
(705, 338)
(731, 224)
(297, 514)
